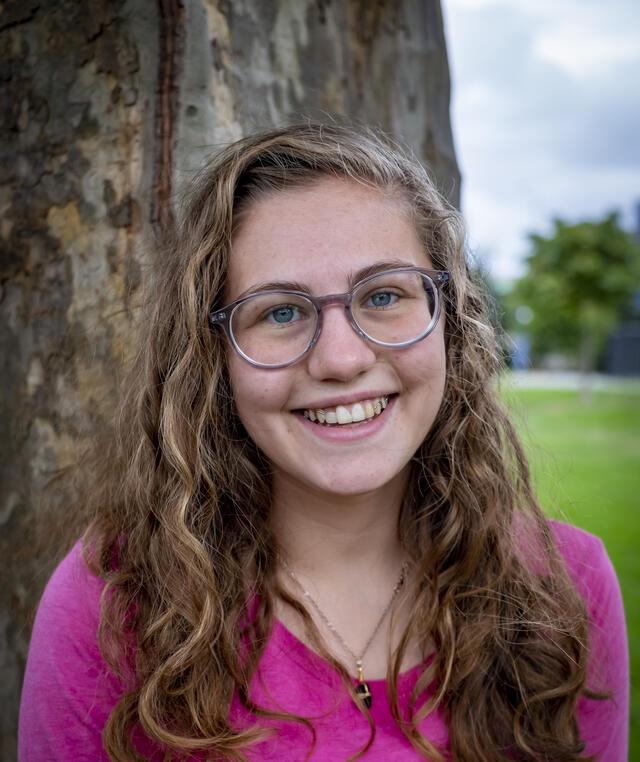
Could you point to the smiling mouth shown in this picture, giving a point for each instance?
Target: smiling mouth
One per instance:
(342, 415)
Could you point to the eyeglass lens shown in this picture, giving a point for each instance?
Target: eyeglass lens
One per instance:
(393, 308)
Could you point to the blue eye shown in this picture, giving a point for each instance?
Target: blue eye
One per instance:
(283, 314)
(383, 299)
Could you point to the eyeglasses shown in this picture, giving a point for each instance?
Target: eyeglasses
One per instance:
(394, 308)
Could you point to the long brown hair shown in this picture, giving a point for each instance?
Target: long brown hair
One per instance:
(180, 503)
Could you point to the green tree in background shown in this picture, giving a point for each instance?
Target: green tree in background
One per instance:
(578, 283)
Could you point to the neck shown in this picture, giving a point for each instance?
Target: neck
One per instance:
(345, 551)
(330, 535)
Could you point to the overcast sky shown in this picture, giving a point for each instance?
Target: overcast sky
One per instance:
(546, 116)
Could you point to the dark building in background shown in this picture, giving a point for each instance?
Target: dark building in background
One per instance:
(623, 347)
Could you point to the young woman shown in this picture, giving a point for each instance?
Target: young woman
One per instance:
(314, 536)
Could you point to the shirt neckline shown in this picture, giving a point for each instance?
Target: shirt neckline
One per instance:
(310, 661)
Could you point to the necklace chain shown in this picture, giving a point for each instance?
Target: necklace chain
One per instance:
(331, 627)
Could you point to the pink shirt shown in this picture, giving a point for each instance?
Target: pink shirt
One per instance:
(69, 692)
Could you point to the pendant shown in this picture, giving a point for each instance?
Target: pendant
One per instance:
(362, 689)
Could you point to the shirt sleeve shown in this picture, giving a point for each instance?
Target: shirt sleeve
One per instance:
(68, 690)
(604, 723)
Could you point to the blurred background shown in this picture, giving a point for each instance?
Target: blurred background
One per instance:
(108, 106)
(545, 114)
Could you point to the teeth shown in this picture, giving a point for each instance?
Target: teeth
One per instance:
(343, 414)
(357, 413)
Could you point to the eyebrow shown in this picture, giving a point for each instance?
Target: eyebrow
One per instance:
(353, 278)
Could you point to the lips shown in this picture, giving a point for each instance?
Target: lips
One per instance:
(340, 415)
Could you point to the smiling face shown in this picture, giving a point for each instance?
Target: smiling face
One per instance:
(322, 236)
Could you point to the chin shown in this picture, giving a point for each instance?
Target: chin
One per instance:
(351, 489)
(352, 485)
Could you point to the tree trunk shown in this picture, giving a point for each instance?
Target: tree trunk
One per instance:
(107, 106)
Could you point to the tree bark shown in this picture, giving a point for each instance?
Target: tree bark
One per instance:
(107, 107)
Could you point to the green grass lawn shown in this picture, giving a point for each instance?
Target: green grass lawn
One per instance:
(585, 459)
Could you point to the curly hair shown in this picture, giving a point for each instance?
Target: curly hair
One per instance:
(180, 503)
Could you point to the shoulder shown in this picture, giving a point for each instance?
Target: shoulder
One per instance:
(583, 552)
(576, 545)
(603, 724)
(72, 595)
(66, 677)
(588, 565)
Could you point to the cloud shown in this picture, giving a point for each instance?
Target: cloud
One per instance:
(545, 114)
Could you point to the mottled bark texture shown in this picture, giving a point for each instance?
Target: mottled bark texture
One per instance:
(106, 108)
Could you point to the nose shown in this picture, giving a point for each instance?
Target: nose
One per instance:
(340, 353)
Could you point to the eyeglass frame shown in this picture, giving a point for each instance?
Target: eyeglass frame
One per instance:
(223, 316)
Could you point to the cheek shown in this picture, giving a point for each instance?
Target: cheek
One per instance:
(424, 364)
(256, 392)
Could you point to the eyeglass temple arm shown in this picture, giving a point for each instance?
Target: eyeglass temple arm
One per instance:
(220, 317)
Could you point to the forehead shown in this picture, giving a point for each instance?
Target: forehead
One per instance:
(320, 234)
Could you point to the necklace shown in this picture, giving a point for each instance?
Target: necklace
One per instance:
(362, 688)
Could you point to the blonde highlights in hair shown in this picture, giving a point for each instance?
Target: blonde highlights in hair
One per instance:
(180, 504)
